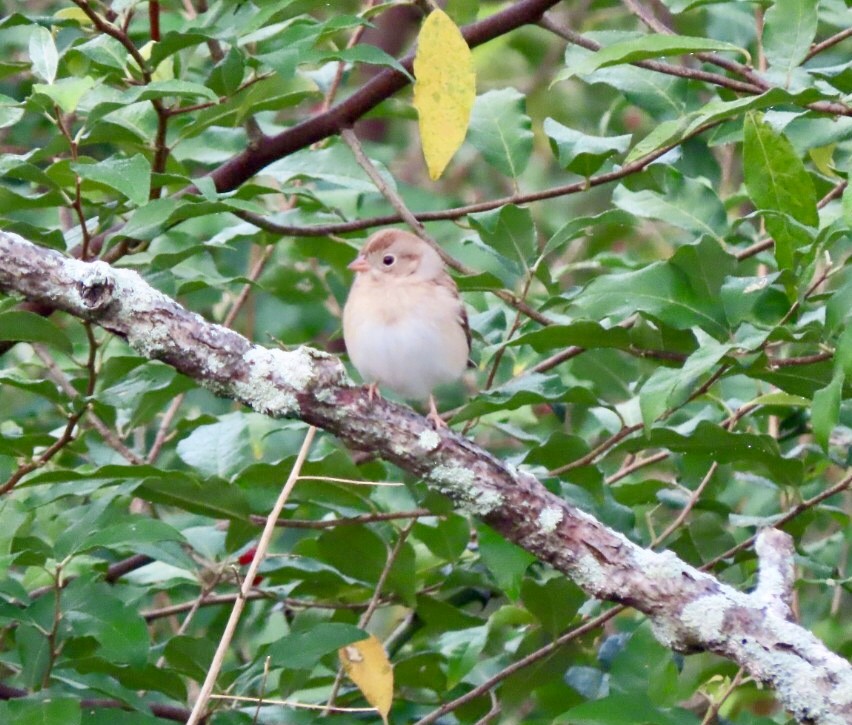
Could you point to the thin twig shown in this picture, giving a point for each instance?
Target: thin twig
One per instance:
(598, 450)
(829, 42)
(799, 508)
(654, 65)
(764, 244)
(347, 521)
(262, 546)
(367, 615)
(658, 26)
(681, 517)
(713, 711)
(532, 657)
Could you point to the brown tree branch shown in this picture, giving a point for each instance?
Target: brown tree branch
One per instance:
(690, 610)
(160, 710)
(328, 123)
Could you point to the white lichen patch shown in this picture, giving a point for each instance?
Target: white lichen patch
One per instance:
(149, 341)
(659, 566)
(798, 682)
(706, 616)
(459, 484)
(456, 477)
(842, 693)
(549, 518)
(325, 395)
(665, 632)
(274, 379)
(399, 449)
(428, 439)
(295, 368)
(590, 575)
(135, 293)
(96, 273)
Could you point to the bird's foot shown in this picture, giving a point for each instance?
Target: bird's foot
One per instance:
(434, 416)
(373, 392)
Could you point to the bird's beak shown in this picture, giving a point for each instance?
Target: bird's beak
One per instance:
(359, 264)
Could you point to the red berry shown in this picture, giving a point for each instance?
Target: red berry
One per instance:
(246, 557)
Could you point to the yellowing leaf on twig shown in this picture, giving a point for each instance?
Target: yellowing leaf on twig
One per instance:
(73, 14)
(368, 667)
(444, 89)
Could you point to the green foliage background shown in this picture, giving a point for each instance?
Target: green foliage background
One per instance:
(681, 227)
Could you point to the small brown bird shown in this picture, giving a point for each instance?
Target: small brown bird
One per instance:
(404, 323)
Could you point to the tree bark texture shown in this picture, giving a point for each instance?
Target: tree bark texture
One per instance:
(689, 610)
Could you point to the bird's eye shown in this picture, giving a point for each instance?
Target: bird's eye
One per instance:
(388, 260)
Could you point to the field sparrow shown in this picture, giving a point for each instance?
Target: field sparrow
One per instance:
(404, 323)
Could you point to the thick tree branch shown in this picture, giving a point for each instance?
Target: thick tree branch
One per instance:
(690, 610)
(329, 123)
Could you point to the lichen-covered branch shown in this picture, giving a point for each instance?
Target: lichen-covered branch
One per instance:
(690, 610)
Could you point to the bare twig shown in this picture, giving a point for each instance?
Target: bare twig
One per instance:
(262, 545)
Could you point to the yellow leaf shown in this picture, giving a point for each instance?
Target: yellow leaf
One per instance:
(369, 668)
(444, 90)
(823, 158)
(165, 71)
(73, 14)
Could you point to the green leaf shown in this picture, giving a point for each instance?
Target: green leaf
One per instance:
(706, 263)
(825, 412)
(461, 650)
(66, 92)
(333, 164)
(670, 387)
(130, 177)
(103, 50)
(789, 27)
(227, 74)
(48, 711)
(509, 231)
(357, 552)
(757, 300)
(43, 54)
(89, 608)
(804, 380)
(169, 89)
(843, 353)
(140, 529)
(581, 226)
(782, 399)
(777, 181)
(30, 327)
(446, 538)
(625, 709)
(10, 111)
(212, 497)
(303, 650)
(222, 449)
(190, 655)
(579, 152)
(501, 130)
(506, 561)
(364, 53)
(690, 204)
(554, 602)
(583, 333)
(148, 221)
(661, 290)
(719, 444)
(644, 48)
(33, 651)
(528, 389)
